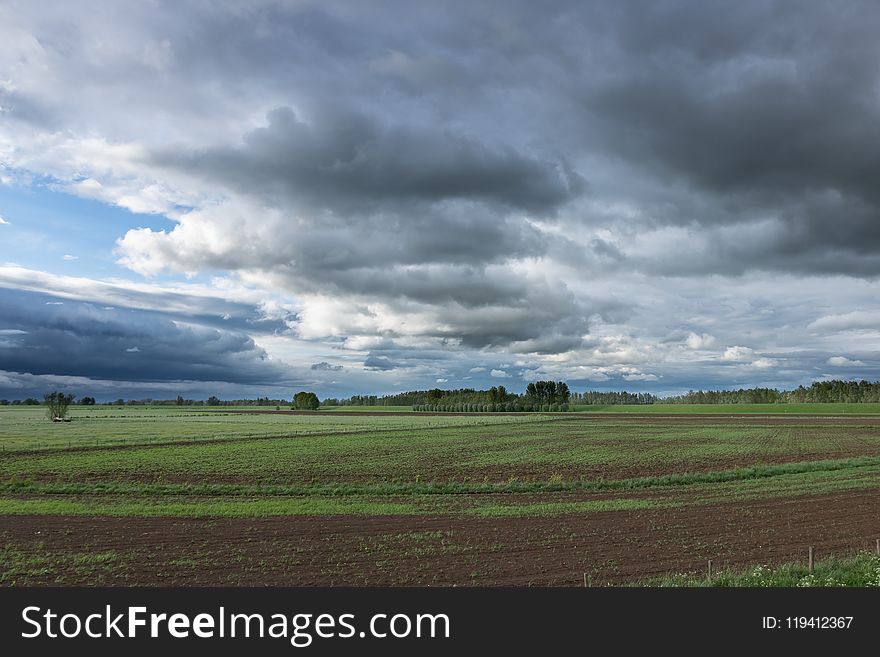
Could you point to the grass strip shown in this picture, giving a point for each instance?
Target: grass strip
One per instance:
(860, 570)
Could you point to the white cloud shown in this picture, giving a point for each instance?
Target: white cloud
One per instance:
(640, 377)
(738, 354)
(69, 257)
(695, 341)
(843, 361)
(763, 363)
(3, 222)
(218, 297)
(132, 350)
(442, 380)
(857, 319)
(499, 374)
(476, 370)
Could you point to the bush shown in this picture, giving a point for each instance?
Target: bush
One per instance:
(545, 408)
(306, 401)
(56, 405)
(554, 408)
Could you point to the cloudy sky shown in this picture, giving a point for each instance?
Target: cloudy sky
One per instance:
(254, 198)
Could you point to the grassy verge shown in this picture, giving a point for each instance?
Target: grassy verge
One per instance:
(860, 570)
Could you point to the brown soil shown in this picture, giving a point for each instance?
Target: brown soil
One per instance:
(611, 547)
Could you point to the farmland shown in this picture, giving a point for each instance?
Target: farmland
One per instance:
(198, 496)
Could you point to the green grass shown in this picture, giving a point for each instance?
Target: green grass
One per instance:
(260, 507)
(26, 427)
(17, 565)
(204, 507)
(862, 465)
(860, 570)
(481, 452)
(486, 500)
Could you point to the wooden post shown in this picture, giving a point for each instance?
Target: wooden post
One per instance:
(810, 559)
(585, 580)
(710, 569)
(878, 547)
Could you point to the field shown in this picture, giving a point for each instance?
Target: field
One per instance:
(205, 496)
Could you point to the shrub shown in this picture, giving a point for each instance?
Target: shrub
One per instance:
(306, 401)
(56, 405)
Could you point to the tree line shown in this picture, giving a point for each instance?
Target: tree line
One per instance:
(741, 396)
(538, 393)
(593, 397)
(536, 396)
(819, 392)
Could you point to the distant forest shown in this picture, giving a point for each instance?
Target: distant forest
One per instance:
(542, 393)
(539, 392)
(495, 395)
(819, 392)
(848, 392)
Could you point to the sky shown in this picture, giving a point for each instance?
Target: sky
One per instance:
(249, 199)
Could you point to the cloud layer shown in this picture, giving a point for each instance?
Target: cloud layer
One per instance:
(658, 196)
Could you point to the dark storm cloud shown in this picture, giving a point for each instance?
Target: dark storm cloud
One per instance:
(72, 338)
(767, 109)
(347, 161)
(742, 113)
(324, 366)
(189, 306)
(380, 363)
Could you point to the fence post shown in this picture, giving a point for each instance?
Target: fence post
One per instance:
(710, 569)
(810, 559)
